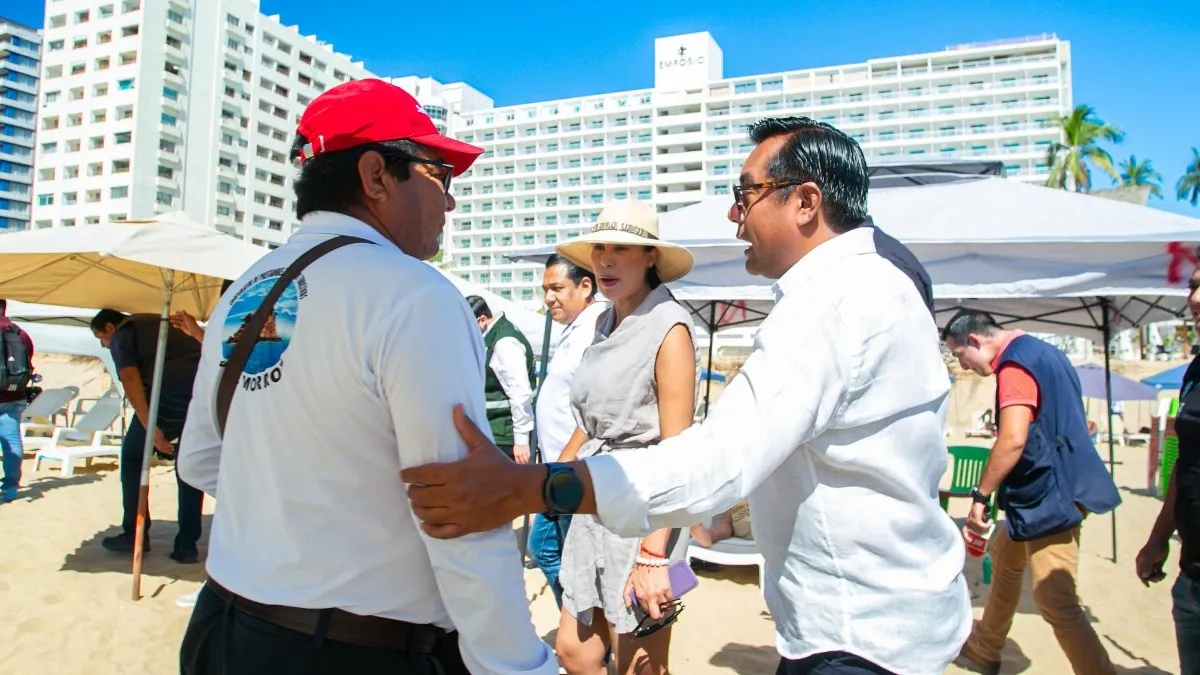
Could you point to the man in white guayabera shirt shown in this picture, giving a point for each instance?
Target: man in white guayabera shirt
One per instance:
(570, 297)
(831, 429)
(316, 563)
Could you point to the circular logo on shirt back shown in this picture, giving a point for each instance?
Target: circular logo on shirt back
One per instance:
(276, 333)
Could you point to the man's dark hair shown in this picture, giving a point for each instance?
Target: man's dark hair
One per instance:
(574, 272)
(329, 181)
(819, 153)
(105, 317)
(969, 322)
(479, 306)
(3, 306)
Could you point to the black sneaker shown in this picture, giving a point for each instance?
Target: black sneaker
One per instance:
(187, 556)
(123, 543)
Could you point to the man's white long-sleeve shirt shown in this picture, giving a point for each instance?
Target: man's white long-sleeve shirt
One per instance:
(370, 351)
(832, 429)
(508, 362)
(555, 421)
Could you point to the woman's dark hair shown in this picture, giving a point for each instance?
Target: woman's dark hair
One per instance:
(574, 272)
(329, 182)
(652, 278)
(106, 317)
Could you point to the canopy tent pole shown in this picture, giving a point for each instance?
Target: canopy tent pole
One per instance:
(712, 339)
(160, 355)
(535, 455)
(1107, 328)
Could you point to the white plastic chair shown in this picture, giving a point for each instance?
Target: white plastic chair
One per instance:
(48, 405)
(732, 551)
(90, 437)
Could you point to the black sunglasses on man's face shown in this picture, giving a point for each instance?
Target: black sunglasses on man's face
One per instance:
(442, 171)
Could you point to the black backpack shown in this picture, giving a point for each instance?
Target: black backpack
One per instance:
(16, 369)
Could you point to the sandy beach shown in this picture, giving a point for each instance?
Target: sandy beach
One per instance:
(68, 607)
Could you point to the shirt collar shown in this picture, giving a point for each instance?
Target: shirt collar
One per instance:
(495, 317)
(824, 256)
(337, 224)
(1016, 333)
(588, 313)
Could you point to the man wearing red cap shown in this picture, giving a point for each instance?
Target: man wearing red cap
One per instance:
(343, 351)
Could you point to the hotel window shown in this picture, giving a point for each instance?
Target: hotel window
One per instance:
(643, 194)
(163, 198)
(125, 85)
(744, 87)
(948, 152)
(119, 192)
(772, 85)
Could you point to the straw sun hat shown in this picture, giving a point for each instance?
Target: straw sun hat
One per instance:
(629, 223)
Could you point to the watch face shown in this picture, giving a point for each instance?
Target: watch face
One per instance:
(566, 491)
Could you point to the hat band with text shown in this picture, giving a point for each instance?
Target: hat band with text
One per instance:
(623, 227)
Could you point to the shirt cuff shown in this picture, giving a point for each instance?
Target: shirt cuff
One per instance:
(520, 438)
(618, 505)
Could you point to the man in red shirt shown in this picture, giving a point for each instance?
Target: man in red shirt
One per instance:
(12, 405)
(1047, 476)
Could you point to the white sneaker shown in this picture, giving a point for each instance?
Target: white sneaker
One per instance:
(188, 600)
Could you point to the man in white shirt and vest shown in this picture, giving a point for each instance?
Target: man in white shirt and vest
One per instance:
(337, 378)
(570, 297)
(831, 428)
(508, 387)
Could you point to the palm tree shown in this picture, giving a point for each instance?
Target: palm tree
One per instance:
(1188, 187)
(1141, 174)
(1069, 160)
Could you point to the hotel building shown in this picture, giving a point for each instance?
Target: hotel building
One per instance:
(550, 166)
(151, 106)
(20, 52)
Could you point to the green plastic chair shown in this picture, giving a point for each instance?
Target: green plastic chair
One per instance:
(1169, 456)
(969, 461)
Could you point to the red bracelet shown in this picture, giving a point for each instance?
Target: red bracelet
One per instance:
(651, 554)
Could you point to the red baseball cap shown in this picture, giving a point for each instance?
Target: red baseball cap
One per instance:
(373, 111)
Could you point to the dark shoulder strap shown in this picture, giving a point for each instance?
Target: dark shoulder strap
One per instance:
(256, 321)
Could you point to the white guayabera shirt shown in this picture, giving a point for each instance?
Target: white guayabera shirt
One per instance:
(832, 429)
(369, 351)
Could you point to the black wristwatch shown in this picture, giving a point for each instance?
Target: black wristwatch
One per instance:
(562, 491)
(978, 497)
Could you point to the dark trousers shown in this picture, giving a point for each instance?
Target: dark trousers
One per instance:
(506, 449)
(830, 663)
(171, 415)
(221, 640)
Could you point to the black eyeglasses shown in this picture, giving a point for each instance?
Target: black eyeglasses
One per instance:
(442, 171)
(670, 614)
(740, 192)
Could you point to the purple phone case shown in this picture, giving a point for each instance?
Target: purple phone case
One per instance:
(682, 578)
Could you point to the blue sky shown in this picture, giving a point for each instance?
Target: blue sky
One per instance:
(1135, 62)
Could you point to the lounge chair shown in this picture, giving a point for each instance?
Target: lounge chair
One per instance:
(732, 551)
(46, 406)
(90, 437)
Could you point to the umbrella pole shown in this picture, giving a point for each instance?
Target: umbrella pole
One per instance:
(1104, 309)
(712, 339)
(160, 355)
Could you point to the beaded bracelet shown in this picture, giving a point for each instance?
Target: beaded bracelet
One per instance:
(652, 562)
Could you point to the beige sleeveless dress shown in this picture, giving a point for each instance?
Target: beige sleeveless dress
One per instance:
(615, 402)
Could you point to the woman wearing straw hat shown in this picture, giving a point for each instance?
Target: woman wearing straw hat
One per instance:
(635, 385)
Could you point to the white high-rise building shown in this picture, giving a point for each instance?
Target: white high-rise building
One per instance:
(162, 105)
(20, 51)
(550, 166)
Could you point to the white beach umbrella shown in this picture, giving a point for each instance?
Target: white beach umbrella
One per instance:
(149, 266)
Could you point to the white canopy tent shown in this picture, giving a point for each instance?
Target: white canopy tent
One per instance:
(1036, 258)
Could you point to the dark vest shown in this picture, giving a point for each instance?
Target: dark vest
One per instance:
(1059, 471)
(499, 413)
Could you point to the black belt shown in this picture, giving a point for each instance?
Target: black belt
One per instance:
(342, 626)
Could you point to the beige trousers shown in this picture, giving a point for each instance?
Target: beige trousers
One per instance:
(1053, 563)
